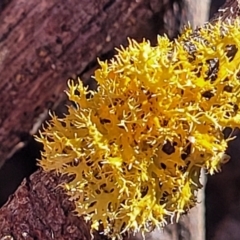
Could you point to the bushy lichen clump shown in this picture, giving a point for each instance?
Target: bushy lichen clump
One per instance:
(136, 145)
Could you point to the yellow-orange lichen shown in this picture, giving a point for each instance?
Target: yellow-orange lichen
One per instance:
(136, 145)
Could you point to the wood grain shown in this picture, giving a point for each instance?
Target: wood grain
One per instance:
(43, 43)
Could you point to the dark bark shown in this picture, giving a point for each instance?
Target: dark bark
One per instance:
(56, 41)
(39, 209)
(43, 43)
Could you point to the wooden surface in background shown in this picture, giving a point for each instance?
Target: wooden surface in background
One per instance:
(43, 43)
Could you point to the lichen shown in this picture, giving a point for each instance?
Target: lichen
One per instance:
(137, 145)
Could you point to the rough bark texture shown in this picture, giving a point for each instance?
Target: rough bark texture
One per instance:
(231, 9)
(39, 210)
(198, 13)
(34, 79)
(43, 43)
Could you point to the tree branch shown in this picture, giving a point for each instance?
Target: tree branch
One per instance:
(39, 209)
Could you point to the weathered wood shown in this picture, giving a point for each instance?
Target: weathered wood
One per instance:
(39, 209)
(52, 62)
(198, 12)
(43, 43)
(231, 9)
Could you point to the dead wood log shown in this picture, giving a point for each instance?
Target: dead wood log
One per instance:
(38, 196)
(230, 9)
(43, 43)
(39, 210)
